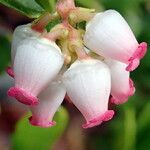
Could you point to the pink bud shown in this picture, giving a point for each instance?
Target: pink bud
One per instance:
(50, 99)
(36, 63)
(109, 35)
(121, 85)
(88, 86)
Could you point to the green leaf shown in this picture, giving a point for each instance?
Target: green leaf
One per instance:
(27, 7)
(48, 5)
(27, 137)
(52, 24)
(4, 52)
(129, 129)
(144, 118)
(81, 25)
(94, 4)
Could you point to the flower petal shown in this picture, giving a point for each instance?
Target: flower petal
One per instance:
(88, 86)
(20, 33)
(10, 71)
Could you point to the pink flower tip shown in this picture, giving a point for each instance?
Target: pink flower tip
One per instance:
(124, 98)
(108, 115)
(10, 72)
(118, 102)
(132, 87)
(134, 61)
(22, 96)
(43, 124)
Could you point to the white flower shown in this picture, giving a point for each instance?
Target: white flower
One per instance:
(50, 99)
(109, 35)
(121, 85)
(37, 62)
(88, 86)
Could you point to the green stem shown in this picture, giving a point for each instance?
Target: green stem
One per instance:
(130, 129)
(40, 23)
(58, 32)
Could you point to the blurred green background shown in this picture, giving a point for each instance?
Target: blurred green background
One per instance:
(130, 128)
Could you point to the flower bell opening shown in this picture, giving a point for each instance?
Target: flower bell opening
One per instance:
(108, 115)
(124, 97)
(22, 96)
(134, 61)
(45, 124)
(124, 87)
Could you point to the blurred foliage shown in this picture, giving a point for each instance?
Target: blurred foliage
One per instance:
(27, 137)
(130, 129)
(27, 7)
(4, 52)
(94, 4)
(48, 5)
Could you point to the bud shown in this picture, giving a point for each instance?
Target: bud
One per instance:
(88, 86)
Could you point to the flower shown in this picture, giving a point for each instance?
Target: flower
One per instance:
(50, 99)
(88, 86)
(91, 68)
(36, 63)
(109, 35)
(121, 85)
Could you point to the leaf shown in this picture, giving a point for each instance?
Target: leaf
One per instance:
(27, 7)
(48, 5)
(90, 4)
(4, 52)
(27, 137)
(81, 25)
(52, 24)
(144, 118)
(130, 129)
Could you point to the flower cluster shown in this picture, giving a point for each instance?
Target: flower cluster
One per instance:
(92, 67)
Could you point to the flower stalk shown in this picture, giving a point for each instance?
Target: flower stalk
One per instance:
(64, 7)
(58, 32)
(81, 14)
(40, 23)
(76, 43)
